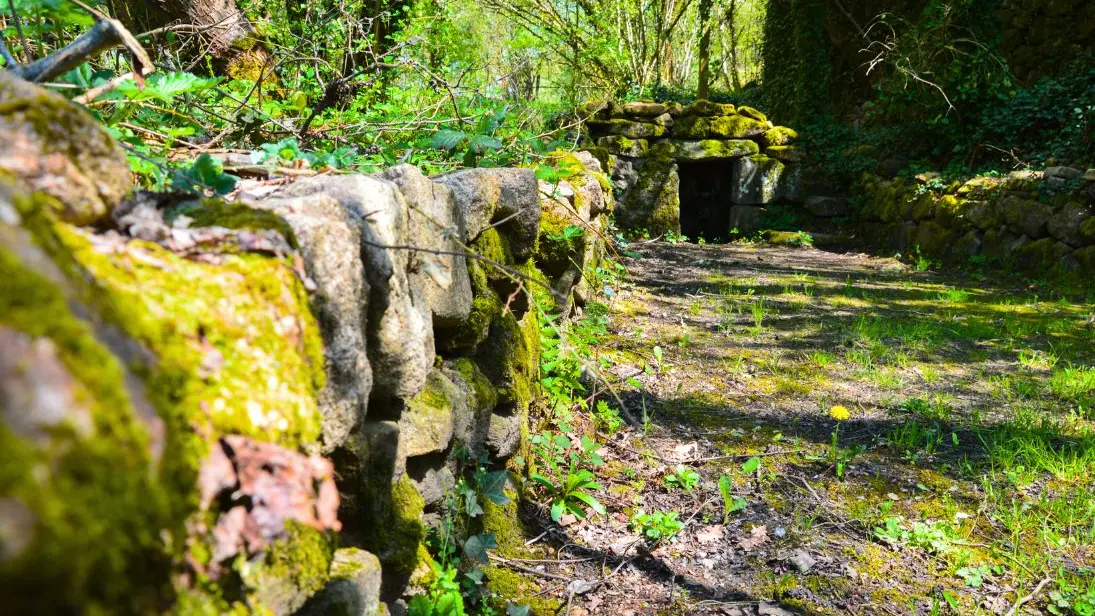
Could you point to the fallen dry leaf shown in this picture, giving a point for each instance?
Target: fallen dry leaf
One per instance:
(265, 486)
(758, 536)
(709, 534)
(683, 452)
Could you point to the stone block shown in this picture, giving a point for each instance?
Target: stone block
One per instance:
(354, 587)
(644, 109)
(718, 127)
(712, 149)
(627, 128)
(746, 218)
(1025, 216)
(756, 180)
(786, 153)
(622, 146)
(1065, 224)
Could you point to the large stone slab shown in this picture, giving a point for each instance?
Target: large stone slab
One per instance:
(653, 202)
(757, 180)
(712, 149)
(628, 128)
(718, 127)
(645, 109)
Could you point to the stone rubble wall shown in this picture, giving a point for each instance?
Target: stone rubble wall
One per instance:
(1037, 222)
(257, 406)
(644, 143)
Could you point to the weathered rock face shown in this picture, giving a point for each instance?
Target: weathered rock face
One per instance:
(653, 202)
(758, 180)
(49, 145)
(399, 333)
(354, 589)
(329, 237)
(152, 391)
(1005, 221)
(175, 364)
(489, 196)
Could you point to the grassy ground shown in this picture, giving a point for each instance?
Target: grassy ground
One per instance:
(961, 481)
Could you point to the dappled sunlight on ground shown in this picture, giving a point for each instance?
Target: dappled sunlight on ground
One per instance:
(961, 480)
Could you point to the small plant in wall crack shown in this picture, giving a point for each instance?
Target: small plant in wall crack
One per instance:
(457, 577)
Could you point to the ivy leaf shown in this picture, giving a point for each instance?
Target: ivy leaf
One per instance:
(493, 487)
(476, 547)
(482, 143)
(513, 609)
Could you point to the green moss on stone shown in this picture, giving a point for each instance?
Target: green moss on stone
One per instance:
(1087, 229)
(396, 534)
(780, 135)
(37, 122)
(97, 509)
(558, 244)
(494, 246)
(485, 394)
(508, 586)
(296, 566)
(786, 153)
(231, 215)
(752, 113)
(509, 531)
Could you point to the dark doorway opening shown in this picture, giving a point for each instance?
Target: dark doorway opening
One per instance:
(705, 199)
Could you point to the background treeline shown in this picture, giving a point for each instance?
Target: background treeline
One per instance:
(873, 85)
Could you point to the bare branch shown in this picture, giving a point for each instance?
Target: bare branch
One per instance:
(106, 33)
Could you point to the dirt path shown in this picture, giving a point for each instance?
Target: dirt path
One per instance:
(961, 479)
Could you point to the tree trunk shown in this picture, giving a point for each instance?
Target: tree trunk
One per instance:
(735, 75)
(705, 49)
(221, 27)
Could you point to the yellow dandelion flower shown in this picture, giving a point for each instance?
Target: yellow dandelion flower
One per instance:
(840, 413)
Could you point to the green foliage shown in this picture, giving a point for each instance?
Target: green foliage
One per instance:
(933, 537)
(567, 479)
(607, 417)
(442, 598)
(163, 87)
(683, 478)
(1073, 599)
(730, 502)
(657, 526)
(206, 173)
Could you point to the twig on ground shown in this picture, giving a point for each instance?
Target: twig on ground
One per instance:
(509, 563)
(744, 456)
(1027, 599)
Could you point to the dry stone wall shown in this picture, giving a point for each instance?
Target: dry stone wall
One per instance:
(644, 144)
(1038, 222)
(257, 405)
